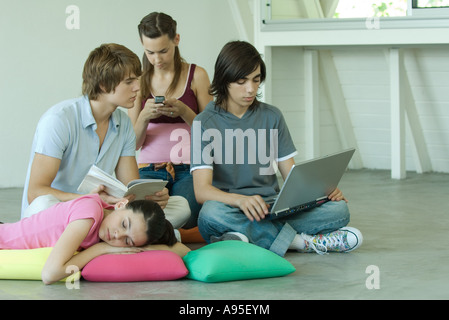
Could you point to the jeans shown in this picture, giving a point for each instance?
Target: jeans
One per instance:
(217, 218)
(182, 185)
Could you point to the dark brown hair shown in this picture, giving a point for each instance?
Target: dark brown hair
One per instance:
(159, 229)
(155, 25)
(235, 61)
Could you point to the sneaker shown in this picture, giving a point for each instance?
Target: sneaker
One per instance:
(342, 240)
(230, 236)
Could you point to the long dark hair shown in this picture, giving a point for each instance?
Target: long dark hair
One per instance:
(159, 229)
(153, 26)
(235, 61)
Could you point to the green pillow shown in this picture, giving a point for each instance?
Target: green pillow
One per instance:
(234, 260)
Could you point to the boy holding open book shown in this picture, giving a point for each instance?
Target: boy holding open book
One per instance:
(76, 134)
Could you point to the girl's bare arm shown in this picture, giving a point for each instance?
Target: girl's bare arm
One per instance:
(63, 253)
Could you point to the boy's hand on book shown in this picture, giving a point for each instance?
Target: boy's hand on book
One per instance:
(108, 198)
(160, 197)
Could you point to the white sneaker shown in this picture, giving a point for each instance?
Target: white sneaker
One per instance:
(342, 240)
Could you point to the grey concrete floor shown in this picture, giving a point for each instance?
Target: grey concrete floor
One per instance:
(404, 224)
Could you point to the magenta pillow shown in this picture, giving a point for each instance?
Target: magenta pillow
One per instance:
(157, 265)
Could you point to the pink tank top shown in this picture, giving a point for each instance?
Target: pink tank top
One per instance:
(168, 139)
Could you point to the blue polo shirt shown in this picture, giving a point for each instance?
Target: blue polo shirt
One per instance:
(67, 131)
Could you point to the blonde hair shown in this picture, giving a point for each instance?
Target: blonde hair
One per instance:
(106, 67)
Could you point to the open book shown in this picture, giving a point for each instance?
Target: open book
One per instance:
(115, 188)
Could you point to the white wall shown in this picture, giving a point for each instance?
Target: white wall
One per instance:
(363, 74)
(41, 60)
(288, 94)
(370, 78)
(41, 63)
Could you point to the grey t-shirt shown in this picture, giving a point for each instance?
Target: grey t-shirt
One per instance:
(241, 151)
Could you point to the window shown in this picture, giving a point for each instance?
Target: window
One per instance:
(283, 10)
(337, 9)
(429, 8)
(430, 3)
(364, 9)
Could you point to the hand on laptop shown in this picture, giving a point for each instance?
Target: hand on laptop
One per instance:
(254, 207)
(337, 195)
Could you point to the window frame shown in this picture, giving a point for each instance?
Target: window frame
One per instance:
(420, 18)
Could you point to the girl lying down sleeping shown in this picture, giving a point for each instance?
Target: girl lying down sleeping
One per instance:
(93, 228)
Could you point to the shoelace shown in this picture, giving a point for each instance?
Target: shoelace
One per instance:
(333, 240)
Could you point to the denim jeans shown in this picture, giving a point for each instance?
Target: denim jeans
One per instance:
(217, 218)
(182, 185)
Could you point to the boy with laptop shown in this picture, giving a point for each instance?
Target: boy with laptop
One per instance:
(232, 174)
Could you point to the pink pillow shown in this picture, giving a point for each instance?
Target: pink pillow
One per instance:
(155, 265)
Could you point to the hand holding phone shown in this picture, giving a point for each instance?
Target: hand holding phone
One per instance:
(159, 99)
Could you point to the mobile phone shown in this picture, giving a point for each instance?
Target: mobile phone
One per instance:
(159, 99)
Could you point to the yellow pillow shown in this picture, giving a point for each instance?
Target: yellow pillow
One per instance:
(25, 264)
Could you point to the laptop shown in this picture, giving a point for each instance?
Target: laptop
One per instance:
(308, 184)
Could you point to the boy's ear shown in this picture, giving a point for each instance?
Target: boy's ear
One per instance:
(103, 89)
(121, 204)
